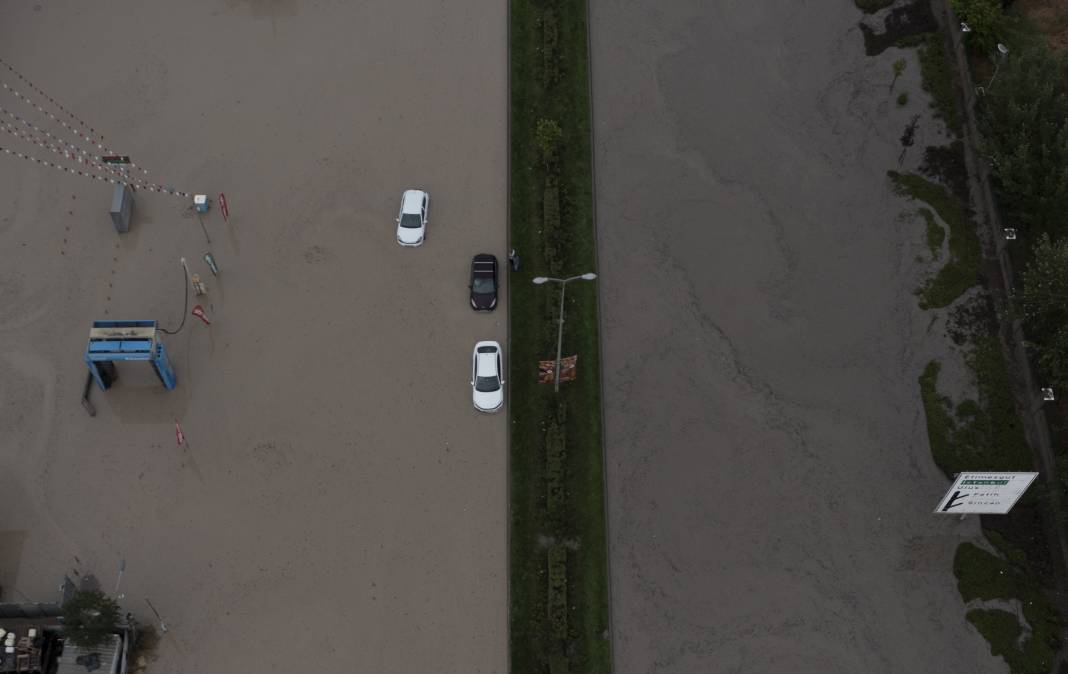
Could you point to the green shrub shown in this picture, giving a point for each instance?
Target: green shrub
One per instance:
(1024, 133)
(937, 78)
(903, 99)
(550, 48)
(898, 67)
(558, 591)
(961, 270)
(1045, 306)
(547, 137)
(986, 18)
(89, 618)
(555, 459)
(550, 227)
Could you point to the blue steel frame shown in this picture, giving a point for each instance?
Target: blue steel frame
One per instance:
(127, 340)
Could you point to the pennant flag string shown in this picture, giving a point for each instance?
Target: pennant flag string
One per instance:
(51, 100)
(87, 174)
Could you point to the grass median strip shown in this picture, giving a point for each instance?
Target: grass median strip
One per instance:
(558, 613)
(961, 271)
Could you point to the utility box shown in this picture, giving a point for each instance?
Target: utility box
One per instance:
(122, 208)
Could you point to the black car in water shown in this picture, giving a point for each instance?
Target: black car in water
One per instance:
(483, 282)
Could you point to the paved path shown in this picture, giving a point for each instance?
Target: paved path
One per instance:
(340, 506)
(770, 484)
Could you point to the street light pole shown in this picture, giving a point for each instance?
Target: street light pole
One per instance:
(1003, 52)
(589, 276)
(559, 339)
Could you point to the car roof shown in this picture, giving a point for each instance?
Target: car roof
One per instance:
(487, 364)
(412, 201)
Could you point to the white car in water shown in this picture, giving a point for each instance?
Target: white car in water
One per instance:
(411, 223)
(487, 377)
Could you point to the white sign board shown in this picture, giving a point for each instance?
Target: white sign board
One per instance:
(988, 493)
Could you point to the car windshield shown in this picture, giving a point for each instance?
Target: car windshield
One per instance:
(487, 384)
(482, 286)
(410, 220)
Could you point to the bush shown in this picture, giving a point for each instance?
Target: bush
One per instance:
(903, 98)
(555, 459)
(547, 136)
(550, 48)
(1022, 123)
(1045, 306)
(938, 80)
(89, 618)
(550, 226)
(558, 591)
(986, 18)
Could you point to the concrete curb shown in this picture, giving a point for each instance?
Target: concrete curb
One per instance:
(1028, 402)
(600, 333)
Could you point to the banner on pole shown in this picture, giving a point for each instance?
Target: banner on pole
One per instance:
(198, 311)
(547, 368)
(224, 208)
(987, 493)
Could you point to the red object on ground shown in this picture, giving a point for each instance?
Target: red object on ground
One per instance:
(198, 311)
(223, 206)
(178, 433)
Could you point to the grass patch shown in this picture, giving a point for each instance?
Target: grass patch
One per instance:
(1001, 629)
(983, 575)
(558, 584)
(945, 164)
(936, 73)
(938, 80)
(980, 434)
(935, 234)
(961, 271)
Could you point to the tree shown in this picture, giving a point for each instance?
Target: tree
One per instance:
(986, 18)
(1023, 124)
(89, 617)
(898, 68)
(1045, 306)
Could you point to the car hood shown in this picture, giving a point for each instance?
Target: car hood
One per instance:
(489, 401)
(409, 234)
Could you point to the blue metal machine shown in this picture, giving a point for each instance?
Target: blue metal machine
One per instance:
(110, 341)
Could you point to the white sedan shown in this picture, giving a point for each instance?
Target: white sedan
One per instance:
(487, 383)
(411, 223)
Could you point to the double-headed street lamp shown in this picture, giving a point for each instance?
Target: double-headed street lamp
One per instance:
(560, 332)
